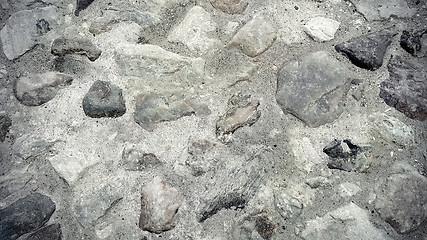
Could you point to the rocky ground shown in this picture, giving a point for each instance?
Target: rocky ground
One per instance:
(220, 119)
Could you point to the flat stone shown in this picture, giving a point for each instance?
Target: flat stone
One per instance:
(367, 51)
(159, 204)
(321, 29)
(392, 129)
(28, 146)
(37, 89)
(104, 100)
(51, 232)
(402, 201)
(25, 215)
(63, 46)
(406, 89)
(82, 5)
(313, 88)
(415, 43)
(230, 6)
(137, 160)
(21, 32)
(193, 31)
(5, 124)
(255, 37)
(383, 9)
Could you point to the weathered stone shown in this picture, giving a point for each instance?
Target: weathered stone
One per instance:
(200, 160)
(34, 90)
(316, 182)
(28, 146)
(402, 201)
(367, 51)
(104, 100)
(241, 112)
(255, 37)
(138, 160)
(392, 130)
(5, 123)
(286, 205)
(321, 29)
(25, 215)
(21, 32)
(82, 5)
(193, 31)
(415, 43)
(255, 226)
(230, 6)
(63, 46)
(350, 221)
(352, 158)
(348, 189)
(51, 232)
(313, 87)
(383, 9)
(406, 89)
(159, 204)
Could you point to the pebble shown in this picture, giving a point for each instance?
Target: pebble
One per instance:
(230, 6)
(392, 129)
(104, 100)
(63, 46)
(321, 29)
(5, 124)
(137, 160)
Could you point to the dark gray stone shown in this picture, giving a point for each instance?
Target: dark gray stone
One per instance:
(415, 43)
(51, 232)
(255, 226)
(63, 46)
(43, 26)
(406, 89)
(350, 159)
(25, 215)
(137, 160)
(367, 51)
(5, 123)
(313, 87)
(104, 100)
(82, 5)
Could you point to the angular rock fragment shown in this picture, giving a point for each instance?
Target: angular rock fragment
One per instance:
(234, 200)
(138, 160)
(392, 130)
(5, 123)
(321, 29)
(159, 204)
(104, 100)
(353, 158)
(255, 37)
(367, 51)
(313, 88)
(63, 46)
(406, 89)
(230, 6)
(383, 9)
(288, 206)
(82, 5)
(25, 215)
(200, 160)
(51, 232)
(415, 43)
(28, 146)
(255, 226)
(34, 90)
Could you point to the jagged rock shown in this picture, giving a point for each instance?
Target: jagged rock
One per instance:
(321, 29)
(367, 51)
(51, 232)
(415, 43)
(5, 124)
(383, 9)
(230, 6)
(254, 226)
(402, 201)
(406, 89)
(104, 100)
(28, 146)
(288, 206)
(255, 37)
(138, 160)
(392, 130)
(350, 221)
(21, 32)
(25, 215)
(63, 46)
(82, 5)
(34, 90)
(159, 204)
(352, 158)
(313, 88)
(193, 31)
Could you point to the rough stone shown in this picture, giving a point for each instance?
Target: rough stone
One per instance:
(51, 232)
(5, 124)
(255, 37)
(104, 100)
(25, 215)
(159, 204)
(321, 29)
(348, 189)
(28, 146)
(392, 129)
(21, 32)
(383, 9)
(402, 201)
(352, 158)
(415, 43)
(406, 89)
(63, 46)
(230, 6)
(367, 51)
(201, 159)
(313, 88)
(137, 160)
(34, 90)
(350, 221)
(255, 226)
(193, 31)
(286, 205)
(82, 5)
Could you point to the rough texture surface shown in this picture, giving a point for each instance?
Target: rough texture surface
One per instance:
(51, 232)
(321, 29)
(63, 46)
(104, 100)
(230, 6)
(415, 43)
(5, 123)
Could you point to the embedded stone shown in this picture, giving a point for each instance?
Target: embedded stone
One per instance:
(230, 6)
(104, 100)
(63, 46)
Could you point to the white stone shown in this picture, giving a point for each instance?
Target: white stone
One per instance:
(321, 29)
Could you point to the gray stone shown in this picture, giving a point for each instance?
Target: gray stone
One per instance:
(25, 215)
(286, 205)
(258, 225)
(255, 37)
(34, 90)
(159, 204)
(63, 46)
(21, 33)
(402, 201)
(138, 160)
(5, 124)
(200, 159)
(51, 232)
(316, 182)
(392, 129)
(313, 88)
(415, 43)
(104, 100)
(230, 6)
(367, 51)
(383, 9)
(28, 146)
(82, 5)
(321, 29)
(406, 89)
(347, 156)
